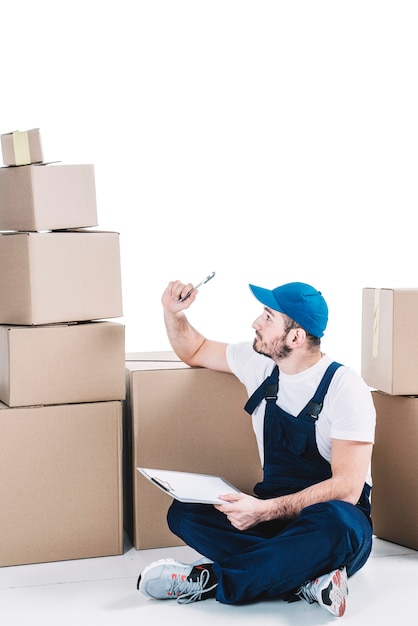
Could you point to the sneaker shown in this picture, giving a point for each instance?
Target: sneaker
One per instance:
(330, 591)
(168, 579)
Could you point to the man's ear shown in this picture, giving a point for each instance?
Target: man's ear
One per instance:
(297, 336)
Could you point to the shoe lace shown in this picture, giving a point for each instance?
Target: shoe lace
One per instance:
(188, 590)
(307, 592)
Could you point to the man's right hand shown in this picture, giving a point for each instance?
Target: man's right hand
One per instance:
(174, 291)
(189, 345)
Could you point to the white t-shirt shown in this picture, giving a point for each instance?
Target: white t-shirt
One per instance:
(348, 411)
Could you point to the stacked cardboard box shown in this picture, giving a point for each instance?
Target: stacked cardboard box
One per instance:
(62, 362)
(390, 367)
(186, 419)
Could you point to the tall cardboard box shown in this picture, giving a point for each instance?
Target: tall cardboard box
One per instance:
(65, 276)
(185, 419)
(62, 363)
(389, 356)
(47, 197)
(61, 482)
(395, 469)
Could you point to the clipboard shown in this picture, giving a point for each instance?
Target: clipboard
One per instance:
(189, 487)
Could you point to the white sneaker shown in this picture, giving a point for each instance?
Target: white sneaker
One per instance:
(330, 591)
(168, 579)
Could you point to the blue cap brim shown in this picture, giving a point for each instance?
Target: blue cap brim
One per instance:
(266, 297)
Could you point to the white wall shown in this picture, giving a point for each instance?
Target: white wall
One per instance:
(269, 141)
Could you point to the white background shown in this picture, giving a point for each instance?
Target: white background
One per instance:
(268, 141)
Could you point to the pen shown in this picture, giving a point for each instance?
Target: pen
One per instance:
(205, 280)
(162, 483)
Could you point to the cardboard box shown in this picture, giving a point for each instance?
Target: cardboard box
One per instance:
(395, 469)
(22, 148)
(61, 364)
(61, 482)
(185, 419)
(47, 197)
(389, 356)
(65, 276)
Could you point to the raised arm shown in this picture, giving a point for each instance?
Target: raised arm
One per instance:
(189, 345)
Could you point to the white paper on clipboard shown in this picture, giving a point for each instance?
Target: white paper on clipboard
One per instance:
(189, 487)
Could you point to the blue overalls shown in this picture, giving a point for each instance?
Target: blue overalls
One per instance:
(274, 558)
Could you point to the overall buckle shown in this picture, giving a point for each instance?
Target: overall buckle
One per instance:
(270, 391)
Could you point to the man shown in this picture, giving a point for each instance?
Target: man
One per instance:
(308, 527)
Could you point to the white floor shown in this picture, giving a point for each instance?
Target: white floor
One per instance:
(102, 592)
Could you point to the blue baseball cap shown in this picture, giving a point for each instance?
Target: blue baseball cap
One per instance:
(300, 301)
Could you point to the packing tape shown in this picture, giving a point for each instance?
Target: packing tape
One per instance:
(376, 322)
(21, 147)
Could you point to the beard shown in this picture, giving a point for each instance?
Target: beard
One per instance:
(276, 349)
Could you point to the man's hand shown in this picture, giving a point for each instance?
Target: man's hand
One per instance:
(171, 296)
(190, 345)
(242, 510)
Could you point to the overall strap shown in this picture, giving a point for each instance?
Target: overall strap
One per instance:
(267, 390)
(314, 406)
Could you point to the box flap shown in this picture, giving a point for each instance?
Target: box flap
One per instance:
(167, 355)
